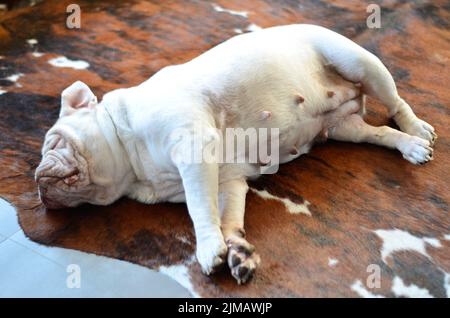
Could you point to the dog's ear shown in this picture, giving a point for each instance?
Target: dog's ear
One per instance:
(76, 96)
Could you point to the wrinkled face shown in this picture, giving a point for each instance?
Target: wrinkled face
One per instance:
(79, 163)
(63, 174)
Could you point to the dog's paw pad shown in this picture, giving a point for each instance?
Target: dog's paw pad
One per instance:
(242, 259)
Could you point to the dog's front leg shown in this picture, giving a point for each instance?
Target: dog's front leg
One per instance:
(242, 258)
(200, 182)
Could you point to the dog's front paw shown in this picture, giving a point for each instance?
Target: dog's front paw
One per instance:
(211, 253)
(422, 129)
(242, 259)
(416, 150)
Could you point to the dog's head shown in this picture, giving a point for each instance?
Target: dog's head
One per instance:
(82, 159)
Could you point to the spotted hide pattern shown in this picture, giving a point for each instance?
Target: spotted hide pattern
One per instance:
(366, 205)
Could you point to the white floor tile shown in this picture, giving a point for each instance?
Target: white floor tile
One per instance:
(62, 256)
(26, 274)
(29, 269)
(8, 219)
(115, 278)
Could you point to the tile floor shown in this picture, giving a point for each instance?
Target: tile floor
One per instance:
(28, 269)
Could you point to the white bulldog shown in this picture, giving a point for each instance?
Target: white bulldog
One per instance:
(304, 80)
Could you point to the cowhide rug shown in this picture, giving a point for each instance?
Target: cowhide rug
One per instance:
(367, 205)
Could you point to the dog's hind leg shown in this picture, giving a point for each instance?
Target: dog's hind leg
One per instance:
(353, 128)
(241, 258)
(358, 65)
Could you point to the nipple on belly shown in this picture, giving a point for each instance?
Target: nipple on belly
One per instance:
(265, 115)
(299, 99)
(294, 151)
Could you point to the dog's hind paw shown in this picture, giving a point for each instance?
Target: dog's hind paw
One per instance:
(242, 259)
(416, 150)
(422, 129)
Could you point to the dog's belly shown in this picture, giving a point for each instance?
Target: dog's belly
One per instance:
(300, 98)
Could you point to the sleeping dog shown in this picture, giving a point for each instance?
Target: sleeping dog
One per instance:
(301, 82)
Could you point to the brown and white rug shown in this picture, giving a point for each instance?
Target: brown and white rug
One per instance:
(323, 225)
